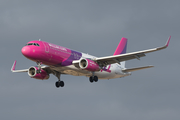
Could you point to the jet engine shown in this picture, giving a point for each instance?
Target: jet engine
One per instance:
(89, 65)
(33, 73)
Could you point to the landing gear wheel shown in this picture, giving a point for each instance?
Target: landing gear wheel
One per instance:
(57, 84)
(61, 83)
(95, 78)
(38, 71)
(91, 79)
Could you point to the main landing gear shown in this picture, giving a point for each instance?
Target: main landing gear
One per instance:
(59, 83)
(93, 79)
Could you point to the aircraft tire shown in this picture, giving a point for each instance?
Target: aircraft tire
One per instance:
(91, 79)
(57, 84)
(38, 71)
(95, 78)
(61, 83)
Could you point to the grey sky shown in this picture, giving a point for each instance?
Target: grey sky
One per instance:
(93, 27)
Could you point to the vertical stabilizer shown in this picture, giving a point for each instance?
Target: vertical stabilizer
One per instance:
(121, 49)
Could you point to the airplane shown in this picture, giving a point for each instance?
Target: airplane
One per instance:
(59, 60)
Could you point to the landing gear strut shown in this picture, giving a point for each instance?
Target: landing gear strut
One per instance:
(39, 67)
(59, 83)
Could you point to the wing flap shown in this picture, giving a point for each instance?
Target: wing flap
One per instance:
(26, 70)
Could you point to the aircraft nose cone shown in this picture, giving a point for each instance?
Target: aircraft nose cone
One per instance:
(25, 50)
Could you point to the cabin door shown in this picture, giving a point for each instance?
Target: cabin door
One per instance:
(46, 46)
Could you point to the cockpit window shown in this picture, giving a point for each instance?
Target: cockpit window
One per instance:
(29, 44)
(35, 44)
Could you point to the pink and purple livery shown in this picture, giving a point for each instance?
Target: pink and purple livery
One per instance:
(60, 60)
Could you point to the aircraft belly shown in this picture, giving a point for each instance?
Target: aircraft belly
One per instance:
(71, 70)
(74, 73)
(112, 75)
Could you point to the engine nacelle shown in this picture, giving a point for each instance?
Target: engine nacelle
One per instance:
(90, 65)
(32, 72)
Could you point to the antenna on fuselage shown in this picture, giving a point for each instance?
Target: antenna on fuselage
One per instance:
(39, 39)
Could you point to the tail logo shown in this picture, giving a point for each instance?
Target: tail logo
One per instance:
(106, 69)
(121, 48)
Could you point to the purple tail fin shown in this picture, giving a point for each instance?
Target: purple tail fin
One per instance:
(121, 48)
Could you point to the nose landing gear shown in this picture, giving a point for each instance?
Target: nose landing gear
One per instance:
(39, 67)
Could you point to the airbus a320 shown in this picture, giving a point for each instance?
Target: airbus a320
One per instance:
(59, 60)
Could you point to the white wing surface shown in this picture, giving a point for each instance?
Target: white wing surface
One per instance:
(128, 56)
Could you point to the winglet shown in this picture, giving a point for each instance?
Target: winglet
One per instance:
(14, 66)
(167, 43)
(165, 46)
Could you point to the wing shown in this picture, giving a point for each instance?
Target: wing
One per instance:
(128, 56)
(14, 66)
(26, 70)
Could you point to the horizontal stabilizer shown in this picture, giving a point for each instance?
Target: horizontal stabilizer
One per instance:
(135, 69)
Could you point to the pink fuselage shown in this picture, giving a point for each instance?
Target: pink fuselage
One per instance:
(49, 54)
(60, 59)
